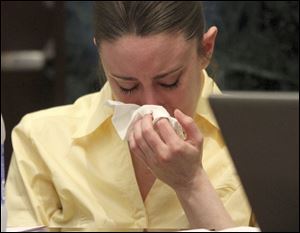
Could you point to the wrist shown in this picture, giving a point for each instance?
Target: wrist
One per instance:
(195, 185)
(202, 205)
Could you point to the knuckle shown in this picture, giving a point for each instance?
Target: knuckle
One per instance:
(161, 122)
(163, 159)
(134, 148)
(176, 149)
(151, 141)
(189, 121)
(147, 131)
(138, 138)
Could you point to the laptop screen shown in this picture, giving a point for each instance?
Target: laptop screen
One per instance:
(261, 130)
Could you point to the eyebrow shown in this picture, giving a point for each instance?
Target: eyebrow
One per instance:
(160, 76)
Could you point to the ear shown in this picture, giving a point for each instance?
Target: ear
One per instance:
(208, 43)
(94, 40)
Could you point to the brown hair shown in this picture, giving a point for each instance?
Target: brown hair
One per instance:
(113, 19)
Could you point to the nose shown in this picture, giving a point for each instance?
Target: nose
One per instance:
(150, 97)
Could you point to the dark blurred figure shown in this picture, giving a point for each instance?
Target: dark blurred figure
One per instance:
(257, 46)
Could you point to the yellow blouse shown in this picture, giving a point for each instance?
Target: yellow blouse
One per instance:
(70, 170)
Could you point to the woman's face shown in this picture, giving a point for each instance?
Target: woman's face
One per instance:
(162, 70)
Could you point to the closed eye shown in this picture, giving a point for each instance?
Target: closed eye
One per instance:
(172, 85)
(128, 90)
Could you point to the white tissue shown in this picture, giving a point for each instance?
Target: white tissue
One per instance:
(125, 115)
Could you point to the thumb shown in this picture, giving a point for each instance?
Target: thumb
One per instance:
(192, 132)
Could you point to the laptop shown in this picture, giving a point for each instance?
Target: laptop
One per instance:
(261, 130)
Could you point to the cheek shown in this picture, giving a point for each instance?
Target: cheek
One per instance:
(174, 99)
(184, 100)
(114, 88)
(187, 97)
(116, 92)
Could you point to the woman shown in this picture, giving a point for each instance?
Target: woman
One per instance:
(71, 170)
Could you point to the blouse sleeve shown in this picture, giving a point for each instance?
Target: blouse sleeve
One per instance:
(31, 197)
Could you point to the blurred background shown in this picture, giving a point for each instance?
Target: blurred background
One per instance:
(48, 57)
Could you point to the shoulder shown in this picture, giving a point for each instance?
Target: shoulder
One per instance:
(59, 119)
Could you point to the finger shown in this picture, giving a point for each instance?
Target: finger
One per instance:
(139, 139)
(136, 151)
(167, 132)
(193, 133)
(134, 148)
(151, 136)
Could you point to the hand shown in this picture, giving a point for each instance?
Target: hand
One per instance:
(175, 161)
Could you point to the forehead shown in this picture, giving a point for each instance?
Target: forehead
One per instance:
(131, 54)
